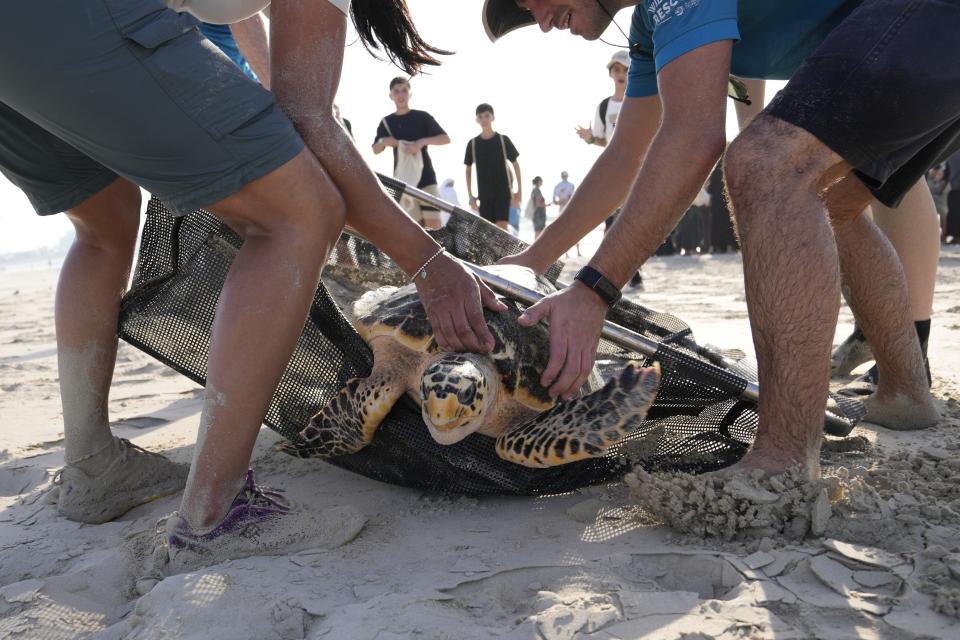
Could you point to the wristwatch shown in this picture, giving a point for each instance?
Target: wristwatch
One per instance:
(599, 284)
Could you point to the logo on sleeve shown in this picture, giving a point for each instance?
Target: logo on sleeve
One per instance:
(663, 10)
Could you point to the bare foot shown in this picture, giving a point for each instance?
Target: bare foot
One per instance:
(773, 463)
(734, 502)
(901, 413)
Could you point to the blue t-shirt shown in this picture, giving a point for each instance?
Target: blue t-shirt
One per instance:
(220, 35)
(771, 37)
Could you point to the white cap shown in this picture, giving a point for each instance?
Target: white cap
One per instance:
(619, 57)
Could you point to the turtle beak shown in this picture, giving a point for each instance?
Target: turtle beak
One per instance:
(446, 420)
(451, 432)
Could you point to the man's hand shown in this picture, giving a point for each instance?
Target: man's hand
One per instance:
(585, 134)
(521, 259)
(452, 297)
(411, 148)
(389, 142)
(576, 317)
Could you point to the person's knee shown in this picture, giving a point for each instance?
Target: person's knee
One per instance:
(773, 162)
(109, 220)
(297, 200)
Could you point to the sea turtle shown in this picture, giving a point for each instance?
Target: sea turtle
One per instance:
(497, 395)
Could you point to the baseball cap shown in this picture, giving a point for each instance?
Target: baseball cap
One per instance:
(500, 17)
(619, 57)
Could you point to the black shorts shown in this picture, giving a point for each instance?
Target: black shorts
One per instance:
(883, 92)
(495, 209)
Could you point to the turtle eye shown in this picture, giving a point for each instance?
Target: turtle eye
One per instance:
(467, 394)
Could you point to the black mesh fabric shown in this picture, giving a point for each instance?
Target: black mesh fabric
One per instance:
(697, 423)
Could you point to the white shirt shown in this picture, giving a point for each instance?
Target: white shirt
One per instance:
(563, 192)
(230, 11)
(605, 129)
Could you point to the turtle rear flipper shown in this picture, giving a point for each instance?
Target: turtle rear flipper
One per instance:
(348, 423)
(583, 427)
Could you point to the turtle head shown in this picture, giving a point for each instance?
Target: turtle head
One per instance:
(455, 391)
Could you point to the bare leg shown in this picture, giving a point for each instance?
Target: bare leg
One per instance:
(914, 232)
(92, 280)
(774, 173)
(290, 220)
(877, 293)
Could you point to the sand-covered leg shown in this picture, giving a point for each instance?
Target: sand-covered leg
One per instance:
(348, 423)
(583, 427)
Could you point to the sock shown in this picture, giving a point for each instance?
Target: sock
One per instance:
(923, 333)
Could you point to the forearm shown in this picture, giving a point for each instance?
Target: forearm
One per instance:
(297, 54)
(469, 181)
(370, 211)
(251, 37)
(516, 171)
(673, 172)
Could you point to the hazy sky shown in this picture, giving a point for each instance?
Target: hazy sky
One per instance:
(541, 86)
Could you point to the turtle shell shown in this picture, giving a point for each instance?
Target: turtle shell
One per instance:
(520, 354)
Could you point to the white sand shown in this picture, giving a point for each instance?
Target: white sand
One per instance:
(584, 565)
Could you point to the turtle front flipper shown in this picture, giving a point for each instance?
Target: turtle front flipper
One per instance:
(583, 427)
(348, 423)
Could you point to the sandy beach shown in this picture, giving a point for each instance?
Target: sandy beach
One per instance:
(590, 564)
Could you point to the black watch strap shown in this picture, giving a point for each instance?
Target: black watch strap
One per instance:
(599, 284)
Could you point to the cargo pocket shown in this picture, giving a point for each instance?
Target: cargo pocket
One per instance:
(206, 86)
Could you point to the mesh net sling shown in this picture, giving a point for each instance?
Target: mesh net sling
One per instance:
(700, 420)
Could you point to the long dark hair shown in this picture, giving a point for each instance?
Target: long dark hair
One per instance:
(387, 24)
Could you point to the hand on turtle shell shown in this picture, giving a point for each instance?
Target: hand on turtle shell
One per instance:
(576, 317)
(452, 297)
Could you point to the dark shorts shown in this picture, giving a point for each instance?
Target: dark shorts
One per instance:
(539, 219)
(883, 92)
(90, 91)
(495, 209)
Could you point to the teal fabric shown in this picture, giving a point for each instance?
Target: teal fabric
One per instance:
(220, 35)
(771, 37)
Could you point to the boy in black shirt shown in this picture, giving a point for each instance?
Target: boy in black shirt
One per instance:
(492, 152)
(410, 131)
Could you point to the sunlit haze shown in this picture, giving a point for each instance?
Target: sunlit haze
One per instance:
(541, 86)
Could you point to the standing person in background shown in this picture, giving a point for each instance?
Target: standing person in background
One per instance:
(343, 121)
(539, 207)
(605, 117)
(562, 193)
(493, 154)
(411, 131)
(604, 123)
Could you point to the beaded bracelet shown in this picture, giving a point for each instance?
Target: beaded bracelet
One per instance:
(422, 271)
